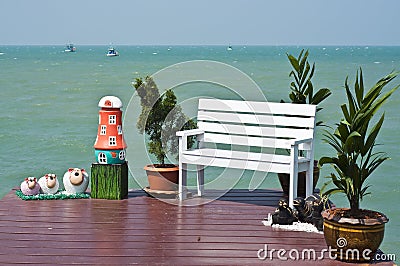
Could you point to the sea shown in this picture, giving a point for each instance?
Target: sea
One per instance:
(49, 105)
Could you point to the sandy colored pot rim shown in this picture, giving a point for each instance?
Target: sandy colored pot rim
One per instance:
(328, 215)
(150, 167)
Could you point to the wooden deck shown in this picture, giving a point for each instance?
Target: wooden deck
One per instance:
(146, 231)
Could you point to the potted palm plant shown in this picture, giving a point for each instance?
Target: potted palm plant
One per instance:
(161, 117)
(302, 92)
(354, 233)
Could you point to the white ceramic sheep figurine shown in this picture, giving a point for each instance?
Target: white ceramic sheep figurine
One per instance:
(49, 184)
(30, 186)
(75, 180)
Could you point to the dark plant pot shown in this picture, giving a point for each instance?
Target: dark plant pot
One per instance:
(301, 182)
(162, 178)
(348, 237)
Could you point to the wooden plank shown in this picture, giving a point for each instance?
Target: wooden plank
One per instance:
(146, 231)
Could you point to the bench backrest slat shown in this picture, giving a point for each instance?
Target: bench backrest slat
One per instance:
(257, 107)
(273, 120)
(250, 141)
(272, 132)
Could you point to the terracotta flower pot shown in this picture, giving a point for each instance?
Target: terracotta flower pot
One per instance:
(353, 239)
(162, 178)
(301, 182)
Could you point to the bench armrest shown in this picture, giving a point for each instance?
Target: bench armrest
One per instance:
(299, 141)
(183, 136)
(191, 132)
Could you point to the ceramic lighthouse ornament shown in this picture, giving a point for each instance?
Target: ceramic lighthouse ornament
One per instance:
(110, 144)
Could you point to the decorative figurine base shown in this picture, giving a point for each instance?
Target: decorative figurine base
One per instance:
(109, 181)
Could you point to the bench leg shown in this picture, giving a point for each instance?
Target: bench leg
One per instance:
(293, 174)
(200, 180)
(182, 181)
(309, 179)
(293, 187)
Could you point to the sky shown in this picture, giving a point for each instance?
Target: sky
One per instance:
(195, 22)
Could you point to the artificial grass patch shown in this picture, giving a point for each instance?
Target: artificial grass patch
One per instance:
(109, 181)
(59, 195)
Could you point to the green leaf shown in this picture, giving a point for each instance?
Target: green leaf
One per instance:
(331, 140)
(350, 142)
(320, 96)
(303, 77)
(359, 89)
(303, 61)
(332, 192)
(372, 136)
(376, 106)
(373, 93)
(346, 113)
(293, 62)
(324, 160)
(364, 192)
(342, 132)
(350, 99)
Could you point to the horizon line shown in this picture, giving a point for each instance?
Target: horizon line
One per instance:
(224, 45)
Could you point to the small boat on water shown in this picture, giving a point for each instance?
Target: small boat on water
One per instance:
(112, 52)
(70, 48)
(229, 48)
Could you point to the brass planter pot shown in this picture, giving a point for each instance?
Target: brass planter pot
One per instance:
(351, 239)
(162, 178)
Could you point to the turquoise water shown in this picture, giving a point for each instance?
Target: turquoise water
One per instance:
(49, 105)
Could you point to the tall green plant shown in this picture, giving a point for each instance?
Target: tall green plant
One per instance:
(160, 119)
(302, 89)
(354, 140)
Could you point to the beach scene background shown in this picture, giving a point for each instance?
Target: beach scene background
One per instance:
(49, 112)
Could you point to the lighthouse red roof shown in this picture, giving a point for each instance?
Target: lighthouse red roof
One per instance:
(110, 102)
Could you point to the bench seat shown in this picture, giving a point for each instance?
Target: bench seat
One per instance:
(242, 160)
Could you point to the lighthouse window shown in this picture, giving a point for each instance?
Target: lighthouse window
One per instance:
(112, 141)
(103, 130)
(112, 119)
(121, 155)
(119, 128)
(102, 158)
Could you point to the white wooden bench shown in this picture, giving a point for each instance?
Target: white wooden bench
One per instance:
(266, 125)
